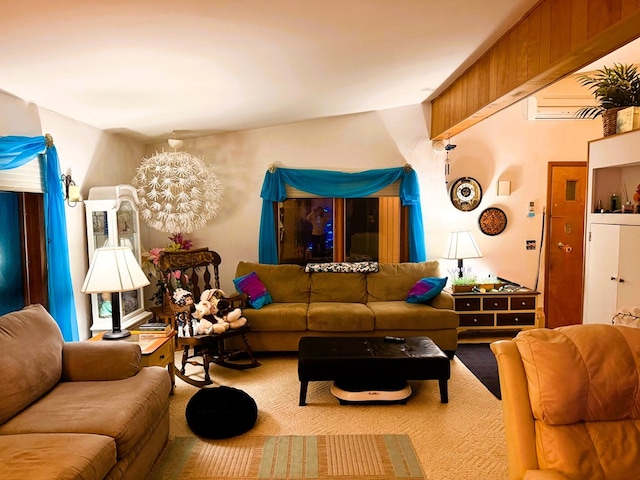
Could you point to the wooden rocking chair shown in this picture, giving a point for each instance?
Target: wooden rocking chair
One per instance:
(202, 350)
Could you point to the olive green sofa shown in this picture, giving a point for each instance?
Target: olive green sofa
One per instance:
(355, 304)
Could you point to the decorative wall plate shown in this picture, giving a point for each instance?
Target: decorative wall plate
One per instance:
(492, 221)
(465, 194)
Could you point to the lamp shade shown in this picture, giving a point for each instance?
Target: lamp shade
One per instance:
(114, 269)
(461, 245)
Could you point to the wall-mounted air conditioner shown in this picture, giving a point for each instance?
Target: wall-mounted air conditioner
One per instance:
(559, 109)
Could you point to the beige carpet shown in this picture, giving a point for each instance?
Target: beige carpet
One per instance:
(461, 440)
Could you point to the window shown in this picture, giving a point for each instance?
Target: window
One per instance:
(23, 269)
(336, 230)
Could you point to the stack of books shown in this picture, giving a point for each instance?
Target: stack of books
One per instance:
(150, 331)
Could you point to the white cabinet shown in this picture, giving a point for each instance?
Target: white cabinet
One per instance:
(612, 262)
(613, 270)
(113, 220)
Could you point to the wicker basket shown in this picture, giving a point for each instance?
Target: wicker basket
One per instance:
(609, 120)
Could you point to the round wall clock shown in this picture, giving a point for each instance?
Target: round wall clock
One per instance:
(465, 194)
(492, 221)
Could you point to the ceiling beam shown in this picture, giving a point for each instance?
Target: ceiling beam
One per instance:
(556, 38)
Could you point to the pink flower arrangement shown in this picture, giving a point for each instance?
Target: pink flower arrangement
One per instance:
(172, 280)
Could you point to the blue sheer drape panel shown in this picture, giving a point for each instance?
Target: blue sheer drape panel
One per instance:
(339, 185)
(14, 152)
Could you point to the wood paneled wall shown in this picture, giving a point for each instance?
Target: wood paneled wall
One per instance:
(555, 38)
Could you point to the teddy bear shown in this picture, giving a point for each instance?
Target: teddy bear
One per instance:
(206, 308)
(224, 312)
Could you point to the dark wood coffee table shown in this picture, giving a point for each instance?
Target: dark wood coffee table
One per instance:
(371, 359)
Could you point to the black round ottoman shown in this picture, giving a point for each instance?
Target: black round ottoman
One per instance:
(221, 412)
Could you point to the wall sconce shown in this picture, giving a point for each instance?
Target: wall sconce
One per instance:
(71, 190)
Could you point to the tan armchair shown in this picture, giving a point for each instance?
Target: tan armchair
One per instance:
(571, 400)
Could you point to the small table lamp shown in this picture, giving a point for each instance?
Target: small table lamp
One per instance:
(114, 270)
(461, 245)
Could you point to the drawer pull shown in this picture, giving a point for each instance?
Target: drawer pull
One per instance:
(475, 320)
(161, 357)
(495, 304)
(516, 319)
(524, 303)
(468, 304)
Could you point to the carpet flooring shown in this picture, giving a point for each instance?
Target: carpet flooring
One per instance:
(321, 457)
(479, 359)
(459, 440)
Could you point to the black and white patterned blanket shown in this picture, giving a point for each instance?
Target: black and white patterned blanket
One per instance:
(344, 267)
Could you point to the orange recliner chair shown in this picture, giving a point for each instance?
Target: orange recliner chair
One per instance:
(571, 400)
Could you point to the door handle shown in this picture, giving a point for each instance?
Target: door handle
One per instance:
(565, 246)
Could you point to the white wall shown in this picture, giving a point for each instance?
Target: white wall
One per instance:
(240, 160)
(93, 157)
(505, 146)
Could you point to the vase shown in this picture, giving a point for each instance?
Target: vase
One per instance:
(609, 121)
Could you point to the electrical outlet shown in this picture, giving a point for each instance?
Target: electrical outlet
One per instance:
(531, 244)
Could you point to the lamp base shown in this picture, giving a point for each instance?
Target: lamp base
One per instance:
(116, 335)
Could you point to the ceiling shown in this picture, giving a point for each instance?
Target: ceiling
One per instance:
(144, 68)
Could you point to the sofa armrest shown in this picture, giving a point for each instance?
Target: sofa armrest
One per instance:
(103, 360)
(544, 475)
(443, 300)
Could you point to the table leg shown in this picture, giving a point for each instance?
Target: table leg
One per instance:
(444, 390)
(303, 392)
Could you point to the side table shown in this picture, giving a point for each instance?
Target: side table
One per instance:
(155, 353)
(514, 307)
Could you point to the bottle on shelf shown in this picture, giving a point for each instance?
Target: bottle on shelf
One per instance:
(614, 203)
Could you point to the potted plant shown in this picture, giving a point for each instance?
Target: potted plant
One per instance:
(613, 88)
(462, 280)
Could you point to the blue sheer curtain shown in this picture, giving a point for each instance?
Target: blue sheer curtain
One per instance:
(339, 185)
(14, 152)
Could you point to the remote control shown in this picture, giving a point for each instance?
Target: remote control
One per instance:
(394, 339)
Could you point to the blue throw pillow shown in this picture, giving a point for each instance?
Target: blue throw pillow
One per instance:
(251, 285)
(425, 289)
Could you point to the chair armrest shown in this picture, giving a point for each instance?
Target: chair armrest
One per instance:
(443, 300)
(238, 300)
(103, 360)
(518, 418)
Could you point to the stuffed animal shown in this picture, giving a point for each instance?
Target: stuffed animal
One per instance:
(224, 311)
(206, 308)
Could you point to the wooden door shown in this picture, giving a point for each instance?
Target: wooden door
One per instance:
(566, 198)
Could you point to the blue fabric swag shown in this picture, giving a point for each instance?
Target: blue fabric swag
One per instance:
(332, 184)
(15, 151)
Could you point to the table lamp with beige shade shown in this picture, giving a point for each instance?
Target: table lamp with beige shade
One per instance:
(114, 270)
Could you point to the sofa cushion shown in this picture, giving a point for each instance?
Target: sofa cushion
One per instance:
(255, 290)
(30, 358)
(278, 317)
(394, 280)
(339, 317)
(285, 283)
(400, 315)
(426, 289)
(56, 455)
(125, 410)
(339, 287)
(601, 387)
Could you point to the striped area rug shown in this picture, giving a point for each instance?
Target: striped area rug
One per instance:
(362, 457)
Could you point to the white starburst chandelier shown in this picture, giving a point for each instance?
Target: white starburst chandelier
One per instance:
(178, 192)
